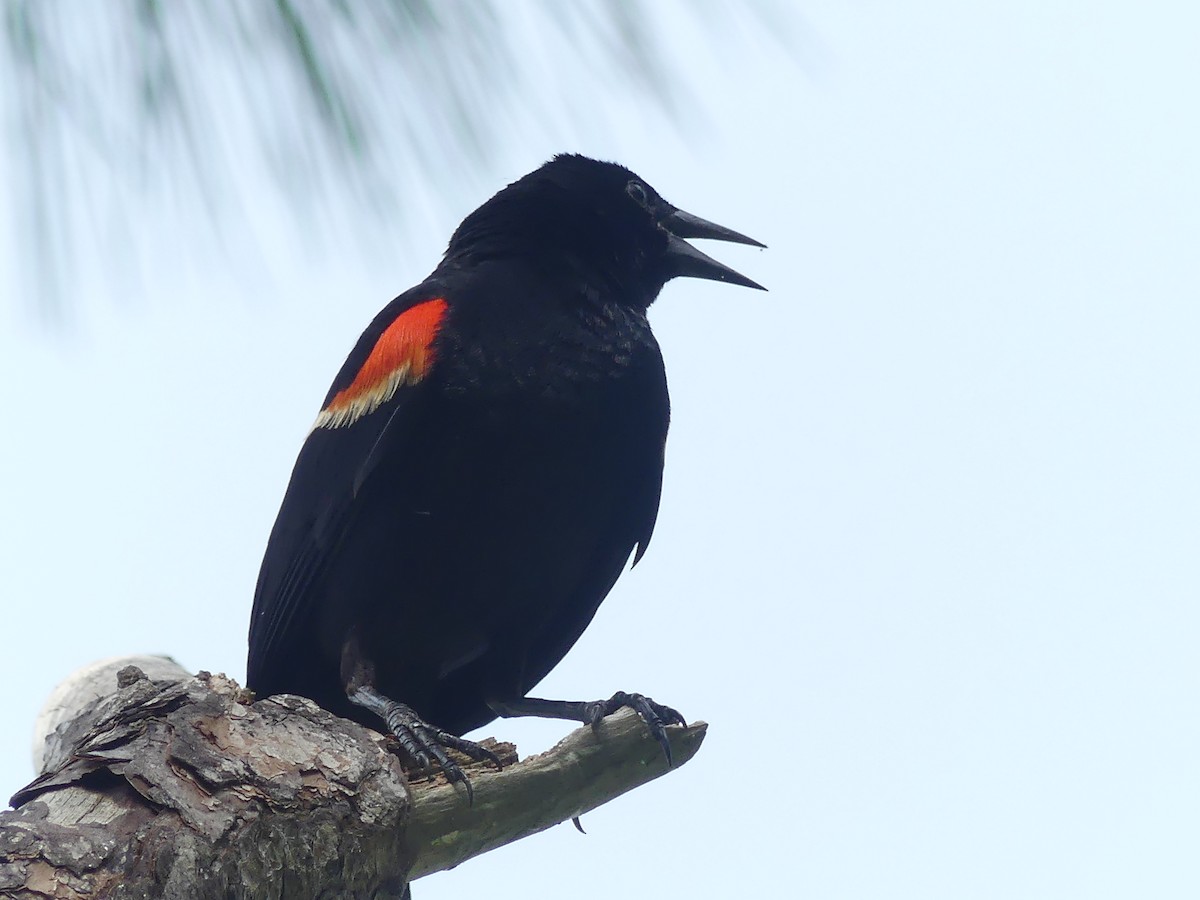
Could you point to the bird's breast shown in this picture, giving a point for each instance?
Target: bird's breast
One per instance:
(577, 352)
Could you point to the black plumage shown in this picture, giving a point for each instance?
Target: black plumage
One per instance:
(483, 467)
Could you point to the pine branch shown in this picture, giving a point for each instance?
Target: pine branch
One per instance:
(185, 786)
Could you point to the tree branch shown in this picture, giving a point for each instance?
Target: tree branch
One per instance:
(183, 786)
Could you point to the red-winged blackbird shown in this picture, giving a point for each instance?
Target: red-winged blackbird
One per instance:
(484, 465)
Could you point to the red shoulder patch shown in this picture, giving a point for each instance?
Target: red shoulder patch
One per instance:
(402, 355)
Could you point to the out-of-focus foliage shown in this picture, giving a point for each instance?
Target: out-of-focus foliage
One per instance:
(342, 97)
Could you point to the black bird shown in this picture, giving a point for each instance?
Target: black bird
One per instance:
(484, 465)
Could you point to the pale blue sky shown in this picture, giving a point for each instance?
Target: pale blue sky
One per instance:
(927, 557)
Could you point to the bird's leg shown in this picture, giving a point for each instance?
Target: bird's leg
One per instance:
(655, 715)
(425, 744)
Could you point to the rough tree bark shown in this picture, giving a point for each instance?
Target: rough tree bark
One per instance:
(175, 786)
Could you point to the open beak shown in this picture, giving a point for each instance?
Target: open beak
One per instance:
(689, 262)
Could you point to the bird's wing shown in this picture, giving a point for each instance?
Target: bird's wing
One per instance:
(369, 404)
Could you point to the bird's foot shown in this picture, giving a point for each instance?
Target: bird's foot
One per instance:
(426, 744)
(656, 716)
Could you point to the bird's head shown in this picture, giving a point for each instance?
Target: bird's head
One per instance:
(600, 221)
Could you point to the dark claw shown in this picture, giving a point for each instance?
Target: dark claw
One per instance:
(578, 825)
(653, 714)
(452, 771)
(426, 745)
(477, 752)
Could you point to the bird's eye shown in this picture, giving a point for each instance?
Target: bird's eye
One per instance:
(637, 191)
